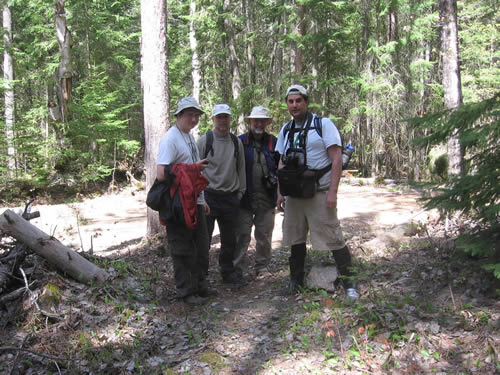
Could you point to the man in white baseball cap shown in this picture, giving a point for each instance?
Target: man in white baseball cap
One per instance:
(257, 207)
(226, 174)
(310, 204)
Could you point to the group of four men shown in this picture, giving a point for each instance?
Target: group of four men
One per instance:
(243, 192)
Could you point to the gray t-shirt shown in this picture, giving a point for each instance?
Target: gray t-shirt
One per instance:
(222, 171)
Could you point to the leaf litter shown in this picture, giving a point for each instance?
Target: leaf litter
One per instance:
(423, 310)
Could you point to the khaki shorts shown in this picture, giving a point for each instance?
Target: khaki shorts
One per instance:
(303, 215)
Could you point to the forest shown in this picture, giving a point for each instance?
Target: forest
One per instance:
(411, 84)
(73, 113)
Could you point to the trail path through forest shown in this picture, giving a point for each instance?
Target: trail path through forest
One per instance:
(117, 222)
(420, 310)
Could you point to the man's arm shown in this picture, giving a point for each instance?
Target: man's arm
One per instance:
(160, 172)
(335, 154)
(242, 176)
(280, 201)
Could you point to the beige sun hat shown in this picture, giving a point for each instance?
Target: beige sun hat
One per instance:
(187, 102)
(259, 112)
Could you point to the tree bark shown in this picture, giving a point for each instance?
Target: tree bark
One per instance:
(248, 11)
(451, 77)
(154, 78)
(8, 76)
(51, 249)
(301, 29)
(195, 61)
(234, 63)
(65, 71)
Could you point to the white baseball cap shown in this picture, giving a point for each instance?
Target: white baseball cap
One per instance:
(296, 89)
(259, 112)
(221, 108)
(187, 102)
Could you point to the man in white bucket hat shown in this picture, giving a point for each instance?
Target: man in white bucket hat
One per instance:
(257, 207)
(188, 247)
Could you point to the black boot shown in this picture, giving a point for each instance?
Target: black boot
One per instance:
(296, 260)
(343, 260)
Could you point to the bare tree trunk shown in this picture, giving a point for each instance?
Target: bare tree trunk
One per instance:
(301, 32)
(234, 64)
(451, 77)
(8, 76)
(277, 61)
(154, 76)
(65, 71)
(87, 41)
(248, 11)
(195, 61)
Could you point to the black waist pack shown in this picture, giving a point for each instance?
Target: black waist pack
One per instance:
(300, 182)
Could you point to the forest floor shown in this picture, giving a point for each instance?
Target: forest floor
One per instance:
(422, 310)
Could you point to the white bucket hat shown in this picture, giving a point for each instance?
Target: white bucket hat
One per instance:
(221, 108)
(296, 89)
(259, 112)
(187, 102)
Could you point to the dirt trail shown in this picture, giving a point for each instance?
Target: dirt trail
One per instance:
(118, 221)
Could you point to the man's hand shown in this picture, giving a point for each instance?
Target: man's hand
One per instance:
(280, 203)
(331, 198)
(203, 163)
(206, 208)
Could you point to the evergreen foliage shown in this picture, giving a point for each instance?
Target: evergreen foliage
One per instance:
(477, 192)
(368, 64)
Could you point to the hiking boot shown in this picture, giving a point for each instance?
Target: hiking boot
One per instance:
(234, 280)
(194, 300)
(352, 295)
(262, 273)
(207, 293)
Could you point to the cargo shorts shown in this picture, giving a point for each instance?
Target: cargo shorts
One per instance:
(312, 215)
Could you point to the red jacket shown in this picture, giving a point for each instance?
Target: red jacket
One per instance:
(189, 183)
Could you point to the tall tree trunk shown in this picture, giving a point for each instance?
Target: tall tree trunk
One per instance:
(234, 63)
(87, 41)
(154, 77)
(195, 61)
(248, 11)
(451, 77)
(64, 73)
(277, 60)
(301, 32)
(8, 76)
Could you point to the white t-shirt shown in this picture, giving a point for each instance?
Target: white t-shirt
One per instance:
(178, 147)
(316, 146)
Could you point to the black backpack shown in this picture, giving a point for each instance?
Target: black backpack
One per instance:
(209, 148)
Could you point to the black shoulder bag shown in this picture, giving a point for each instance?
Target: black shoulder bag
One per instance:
(295, 178)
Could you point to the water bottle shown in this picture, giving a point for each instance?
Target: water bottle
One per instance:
(346, 155)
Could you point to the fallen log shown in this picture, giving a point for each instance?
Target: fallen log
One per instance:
(51, 249)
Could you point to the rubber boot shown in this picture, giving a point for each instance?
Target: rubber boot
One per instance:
(343, 260)
(296, 260)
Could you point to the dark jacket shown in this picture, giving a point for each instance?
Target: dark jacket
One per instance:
(267, 146)
(175, 198)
